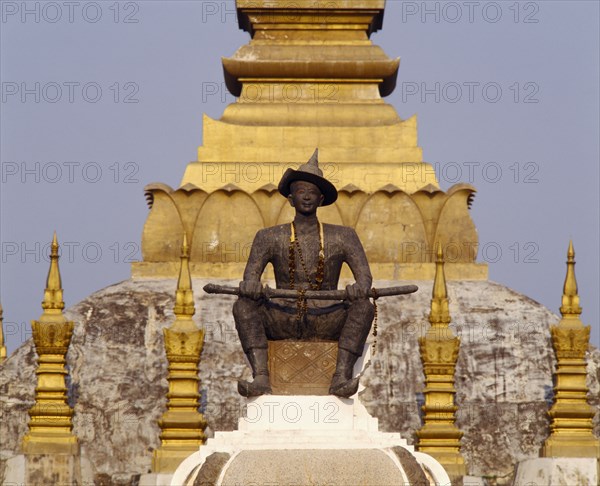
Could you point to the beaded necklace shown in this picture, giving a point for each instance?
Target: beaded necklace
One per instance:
(295, 245)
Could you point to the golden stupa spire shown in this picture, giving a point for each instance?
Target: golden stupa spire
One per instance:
(440, 311)
(50, 427)
(53, 295)
(439, 436)
(182, 426)
(2, 345)
(571, 429)
(570, 308)
(184, 296)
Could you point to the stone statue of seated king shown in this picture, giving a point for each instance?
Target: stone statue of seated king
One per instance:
(306, 255)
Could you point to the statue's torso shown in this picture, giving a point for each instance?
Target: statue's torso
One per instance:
(305, 275)
(341, 245)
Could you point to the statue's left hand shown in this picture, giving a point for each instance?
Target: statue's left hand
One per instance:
(355, 292)
(251, 290)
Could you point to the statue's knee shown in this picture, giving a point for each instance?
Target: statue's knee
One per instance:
(363, 307)
(243, 306)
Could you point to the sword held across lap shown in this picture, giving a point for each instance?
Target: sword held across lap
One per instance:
(270, 293)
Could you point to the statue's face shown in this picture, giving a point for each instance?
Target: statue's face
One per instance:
(305, 197)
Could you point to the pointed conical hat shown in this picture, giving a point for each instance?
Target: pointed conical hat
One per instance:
(309, 172)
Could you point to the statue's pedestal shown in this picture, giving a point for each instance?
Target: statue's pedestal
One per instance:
(302, 367)
(305, 440)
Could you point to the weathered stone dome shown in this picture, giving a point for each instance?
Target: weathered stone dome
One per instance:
(118, 373)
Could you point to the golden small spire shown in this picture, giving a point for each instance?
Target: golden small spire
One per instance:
(2, 346)
(182, 426)
(51, 424)
(571, 427)
(184, 296)
(570, 307)
(439, 436)
(53, 295)
(440, 311)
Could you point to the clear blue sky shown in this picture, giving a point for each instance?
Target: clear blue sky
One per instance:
(100, 99)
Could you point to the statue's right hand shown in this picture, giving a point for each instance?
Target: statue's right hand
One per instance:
(251, 290)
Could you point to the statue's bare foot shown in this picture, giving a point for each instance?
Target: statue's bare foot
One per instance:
(260, 386)
(342, 383)
(344, 389)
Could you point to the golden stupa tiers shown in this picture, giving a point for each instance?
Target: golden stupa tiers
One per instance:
(182, 425)
(571, 428)
(310, 77)
(439, 436)
(50, 427)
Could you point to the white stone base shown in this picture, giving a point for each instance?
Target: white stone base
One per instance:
(306, 413)
(557, 471)
(300, 423)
